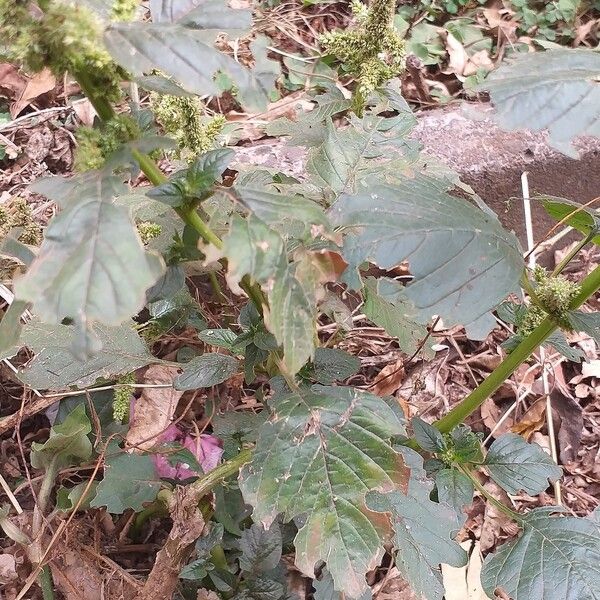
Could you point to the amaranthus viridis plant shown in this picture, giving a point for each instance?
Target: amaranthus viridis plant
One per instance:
(373, 470)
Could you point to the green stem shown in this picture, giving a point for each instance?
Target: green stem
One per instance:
(205, 484)
(46, 583)
(214, 282)
(571, 255)
(101, 105)
(589, 286)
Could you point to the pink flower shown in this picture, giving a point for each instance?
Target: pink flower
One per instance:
(207, 449)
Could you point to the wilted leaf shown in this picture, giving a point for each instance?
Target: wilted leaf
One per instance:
(54, 366)
(463, 261)
(386, 305)
(129, 482)
(332, 364)
(91, 266)
(67, 442)
(517, 465)
(261, 548)
(319, 453)
(153, 411)
(424, 531)
(555, 90)
(555, 557)
(205, 371)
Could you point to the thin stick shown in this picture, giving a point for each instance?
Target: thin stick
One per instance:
(546, 385)
(10, 495)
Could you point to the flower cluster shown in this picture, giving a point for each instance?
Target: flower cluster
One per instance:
(18, 214)
(373, 52)
(124, 10)
(183, 118)
(148, 231)
(122, 397)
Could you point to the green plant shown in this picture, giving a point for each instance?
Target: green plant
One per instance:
(337, 465)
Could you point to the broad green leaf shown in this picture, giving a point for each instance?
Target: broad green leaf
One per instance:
(463, 261)
(584, 219)
(199, 567)
(10, 329)
(318, 455)
(68, 498)
(129, 482)
(325, 590)
(220, 338)
(261, 588)
(454, 488)
(555, 90)
(261, 548)
(332, 364)
(559, 342)
(386, 305)
(517, 465)
(252, 248)
(91, 266)
(200, 14)
(291, 317)
(11, 247)
(205, 371)
(555, 557)
(427, 436)
(587, 322)
(423, 531)
(189, 57)
(278, 209)
(54, 366)
(68, 443)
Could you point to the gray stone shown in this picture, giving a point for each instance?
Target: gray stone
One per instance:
(489, 159)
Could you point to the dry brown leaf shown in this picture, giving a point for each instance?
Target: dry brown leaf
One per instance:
(491, 415)
(206, 595)
(496, 20)
(8, 568)
(85, 112)
(571, 426)
(497, 526)
(39, 144)
(39, 84)
(458, 57)
(393, 587)
(591, 368)
(389, 379)
(12, 83)
(154, 409)
(533, 420)
(583, 31)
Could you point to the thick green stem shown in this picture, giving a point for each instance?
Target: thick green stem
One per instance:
(101, 105)
(205, 484)
(589, 286)
(46, 583)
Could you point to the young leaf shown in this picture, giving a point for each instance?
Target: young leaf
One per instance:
(261, 548)
(386, 305)
(584, 219)
(198, 568)
(261, 588)
(332, 365)
(555, 557)
(68, 442)
(463, 261)
(54, 366)
(516, 465)
(554, 90)
(427, 436)
(92, 266)
(205, 371)
(319, 453)
(129, 482)
(252, 248)
(465, 445)
(454, 489)
(424, 531)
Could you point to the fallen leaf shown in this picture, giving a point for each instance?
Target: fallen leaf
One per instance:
(389, 379)
(152, 413)
(497, 526)
(85, 112)
(39, 144)
(458, 57)
(39, 84)
(491, 415)
(8, 568)
(463, 583)
(12, 83)
(533, 420)
(571, 426)
(591, 368)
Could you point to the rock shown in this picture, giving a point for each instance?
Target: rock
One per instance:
(489, 159)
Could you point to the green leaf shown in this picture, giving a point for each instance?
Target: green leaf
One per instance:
(555, 90)
(386, 305)
(291, 317)
(463, 261)
(325, 590)
(583, 218)
(68, 498)
(555, 557)
(189, 57)
(10, 329)
(198, 568)
(454, 488)
(200, 14)
(11, 247)
(54, 366)
(464, 444)
(427, 436)
(424, 531)
(252, 248)
(332, 364)
(587, 322)
(261, 548)
(68, 443)
(205, 371)
(261, 588)
(129, 482)
(516, 465)
(220, 338)
(559, 342)
(91, 266)
(319, 453)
